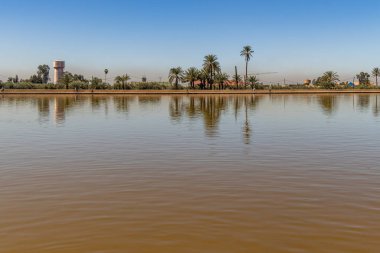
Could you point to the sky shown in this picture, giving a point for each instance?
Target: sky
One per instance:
(297, 39)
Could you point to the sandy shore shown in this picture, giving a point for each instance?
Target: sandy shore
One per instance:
(184, 92)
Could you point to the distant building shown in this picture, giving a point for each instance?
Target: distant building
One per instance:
(307, 82)
(59, 68)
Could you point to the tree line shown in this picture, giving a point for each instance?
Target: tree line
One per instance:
(211, 76)
(331, 80)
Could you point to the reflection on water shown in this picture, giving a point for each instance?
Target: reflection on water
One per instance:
(328, 103)
(202, 173)
(211, 109)
(376, 107)
(122, 103)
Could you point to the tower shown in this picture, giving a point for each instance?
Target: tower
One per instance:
(59, 67)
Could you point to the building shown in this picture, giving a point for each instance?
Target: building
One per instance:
(307, 82)
(59, 68)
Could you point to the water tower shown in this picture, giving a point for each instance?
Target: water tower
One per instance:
(59, 67)
(307, 82)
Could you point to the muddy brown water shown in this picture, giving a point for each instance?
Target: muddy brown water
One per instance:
(224, 173)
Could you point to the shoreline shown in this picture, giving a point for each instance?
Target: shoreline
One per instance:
(183, 92)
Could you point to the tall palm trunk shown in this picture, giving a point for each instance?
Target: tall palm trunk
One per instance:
(236, 78)
(211, 76)
(246, 74)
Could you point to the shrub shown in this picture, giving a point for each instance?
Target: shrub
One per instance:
(78, 85)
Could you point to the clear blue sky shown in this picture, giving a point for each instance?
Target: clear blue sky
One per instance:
(297, 38)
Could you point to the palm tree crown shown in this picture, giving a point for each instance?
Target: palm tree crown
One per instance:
(211, 66)
(247, 53)
(122, 79)
(175, 75)
(253, 81)
(191, 75)
(220, 79)
(330, 77)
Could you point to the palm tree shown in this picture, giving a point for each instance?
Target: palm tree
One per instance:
(330, 77)
(253, 81)
(122, 80)
(328, 80)
(247, 53)
(363, 78)
(212, 66)
(191, 75)
(202, 76)
(376, 74)
(221, 78)
(175, 75)
(105, 75)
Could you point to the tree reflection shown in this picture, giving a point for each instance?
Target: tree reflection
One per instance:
(149, 99)
(237, 104)
(176, 108)
(246, 127)
(376, 107)
(97, 102)
(43, 105)
(363, 102)
(211, 108)
(122, 103)
(327, 103)
(192, 110)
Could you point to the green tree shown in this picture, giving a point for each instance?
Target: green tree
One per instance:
(13, 79)
(363, 78)
(328, 80)
(43, 73)
(253, 82)
(66, 79)
(247, 53)
(96, 83)
(211, 66)
(330, 76)
(122, 80)
(202, 76)
(376, 74)
(35, 79)
(176, 76)
(191, 75)
(79, 78)
(220, 79)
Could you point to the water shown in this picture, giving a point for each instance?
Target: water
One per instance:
(280, 173)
